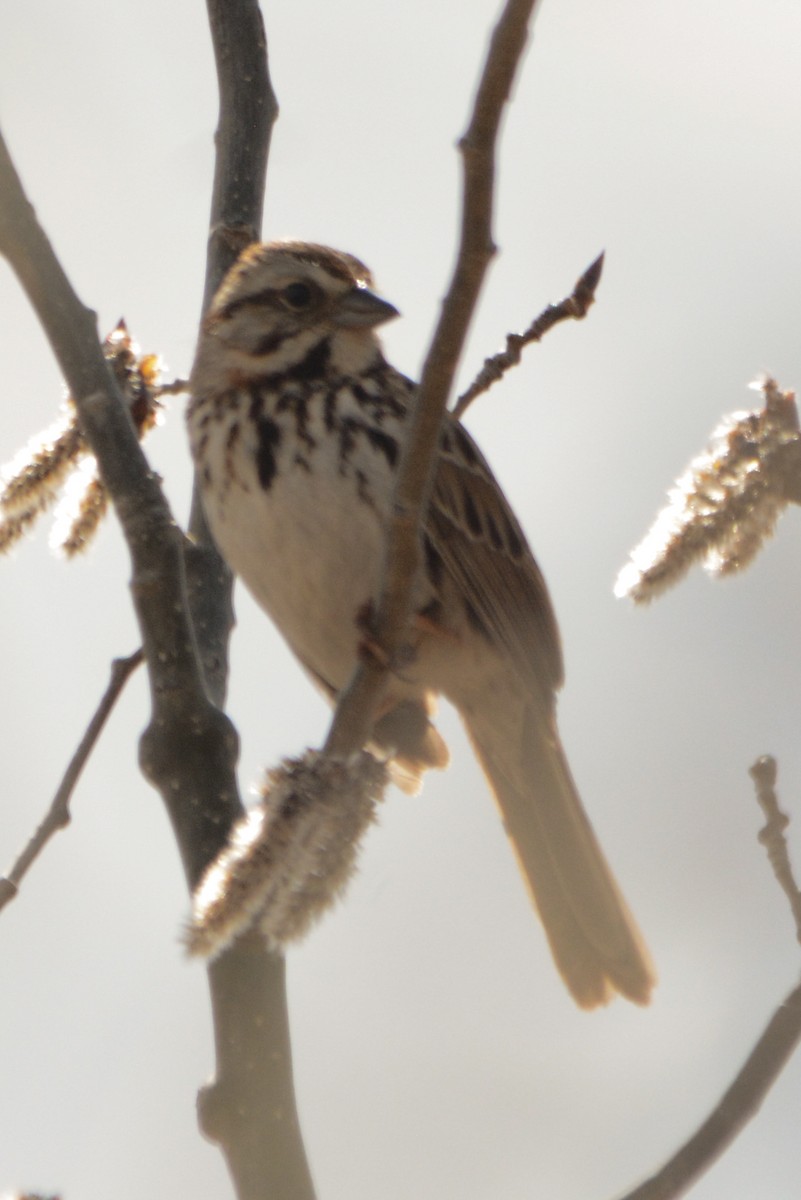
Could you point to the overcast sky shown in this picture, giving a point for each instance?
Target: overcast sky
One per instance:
(437, 1052)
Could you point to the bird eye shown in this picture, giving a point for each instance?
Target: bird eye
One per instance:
(298, 295)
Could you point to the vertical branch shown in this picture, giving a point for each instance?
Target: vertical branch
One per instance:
(189, 748)
(249, 1108)
(247, 112)
(188, 737)
(353, 719)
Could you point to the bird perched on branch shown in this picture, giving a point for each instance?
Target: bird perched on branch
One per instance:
(296, 423)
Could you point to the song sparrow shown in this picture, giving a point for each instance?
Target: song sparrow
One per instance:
(295, 422)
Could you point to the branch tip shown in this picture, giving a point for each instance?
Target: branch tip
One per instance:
(573, 307)
(764, 773)
(587, 285)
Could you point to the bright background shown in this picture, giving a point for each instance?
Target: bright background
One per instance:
(437, 1053)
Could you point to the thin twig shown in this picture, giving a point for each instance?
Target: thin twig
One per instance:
(58, 814)
(174, 388)
(764, 773)
(574, 307)
(353, 718)
(738, 1105)
(742, 1100)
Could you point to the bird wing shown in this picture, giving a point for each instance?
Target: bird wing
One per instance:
(472, 529)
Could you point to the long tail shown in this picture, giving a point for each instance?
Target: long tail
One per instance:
(593, 937)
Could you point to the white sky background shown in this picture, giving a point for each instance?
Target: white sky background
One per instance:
(437, 1052)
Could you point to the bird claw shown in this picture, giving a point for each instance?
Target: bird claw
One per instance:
(370, 647)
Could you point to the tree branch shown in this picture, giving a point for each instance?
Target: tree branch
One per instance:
(58, 815)
(189, 749)
(248, 110)
(249, 1107)
(184, 722)
(574, 307)
(738, 1105)
(354, 716)
(742, 1100)
(764, 773)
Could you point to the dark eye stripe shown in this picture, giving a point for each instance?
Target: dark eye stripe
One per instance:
(268, 296)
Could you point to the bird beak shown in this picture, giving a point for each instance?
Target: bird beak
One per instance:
(362, 309)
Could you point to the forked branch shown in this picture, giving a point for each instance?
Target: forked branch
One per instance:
(182, 713)
(189, 750)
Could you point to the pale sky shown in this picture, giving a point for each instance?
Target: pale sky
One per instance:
(437, 1053)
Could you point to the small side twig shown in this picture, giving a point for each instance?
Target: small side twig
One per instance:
(573, 307)
(174, 388)
(58, 814)
(763, 773)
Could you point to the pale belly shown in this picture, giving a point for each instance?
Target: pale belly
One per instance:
(310, 560)
(308, 548)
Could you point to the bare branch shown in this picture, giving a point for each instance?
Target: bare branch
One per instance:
(761, 1069)
(248, 110)
(763, 773)
(58, 815)
(738, 1105)
(174, 388)
(249, 1107)
(189, 749)
(353, 719)
(574, 307)
(184, 721)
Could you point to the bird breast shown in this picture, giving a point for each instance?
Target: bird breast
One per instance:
(299, 515)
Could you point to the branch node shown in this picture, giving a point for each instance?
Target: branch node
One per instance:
(764, 773)
(236, 236)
